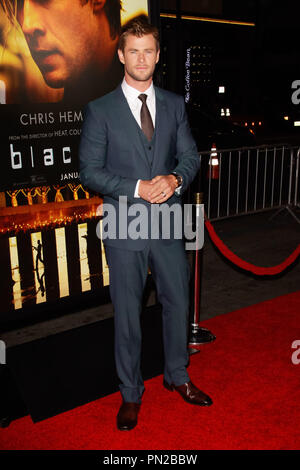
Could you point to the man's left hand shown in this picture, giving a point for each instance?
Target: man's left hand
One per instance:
(163, 187)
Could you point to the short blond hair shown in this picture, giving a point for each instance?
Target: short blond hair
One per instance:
(138, 26)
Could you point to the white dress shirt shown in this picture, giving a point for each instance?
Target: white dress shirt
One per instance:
(135, 105)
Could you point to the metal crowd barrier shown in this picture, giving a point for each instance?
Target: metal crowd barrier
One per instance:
(247, 180)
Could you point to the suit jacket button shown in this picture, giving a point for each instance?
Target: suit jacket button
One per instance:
(150, 148)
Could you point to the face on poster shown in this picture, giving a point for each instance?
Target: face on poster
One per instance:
(61, 50)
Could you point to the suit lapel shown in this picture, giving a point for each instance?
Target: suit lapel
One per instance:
(161, 121)
(128, 121)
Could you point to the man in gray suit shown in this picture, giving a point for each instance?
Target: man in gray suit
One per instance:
(136, 147)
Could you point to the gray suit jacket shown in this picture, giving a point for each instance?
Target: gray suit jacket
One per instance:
(113, 156)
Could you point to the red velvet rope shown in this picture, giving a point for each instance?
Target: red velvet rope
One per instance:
(260, 271)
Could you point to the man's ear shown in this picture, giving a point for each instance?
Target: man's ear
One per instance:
(121, 56)
(98, 5)
(157, 56)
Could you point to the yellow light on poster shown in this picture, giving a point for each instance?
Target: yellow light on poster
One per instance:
(14, 261)
(133, 8)
(39, 269)
(83, 258)
(61, 260)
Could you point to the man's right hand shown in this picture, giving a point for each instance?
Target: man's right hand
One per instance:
(145, 187)
(157, 190)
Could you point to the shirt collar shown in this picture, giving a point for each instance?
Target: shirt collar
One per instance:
(132, 94)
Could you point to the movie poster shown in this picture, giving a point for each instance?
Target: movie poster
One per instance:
(55, 56)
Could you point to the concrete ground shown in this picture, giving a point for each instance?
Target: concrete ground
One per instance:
(260, 241)
(255, 238)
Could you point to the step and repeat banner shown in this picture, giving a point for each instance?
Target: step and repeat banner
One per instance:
(55, 56)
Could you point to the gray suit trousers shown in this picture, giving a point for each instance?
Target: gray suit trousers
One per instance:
(128, 273)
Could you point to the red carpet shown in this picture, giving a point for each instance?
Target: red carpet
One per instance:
(247, 371)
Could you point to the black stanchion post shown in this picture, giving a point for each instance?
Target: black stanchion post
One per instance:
(198, 335)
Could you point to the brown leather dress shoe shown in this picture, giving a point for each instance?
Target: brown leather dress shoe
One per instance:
(190, 393)
(127, 416)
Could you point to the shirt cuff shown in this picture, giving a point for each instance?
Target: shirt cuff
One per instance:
(136, 192)
(178, 190)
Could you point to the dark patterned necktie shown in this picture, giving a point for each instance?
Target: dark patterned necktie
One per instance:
(146, 120)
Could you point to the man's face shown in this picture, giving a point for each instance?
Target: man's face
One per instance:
(60, 36)
(139, 57)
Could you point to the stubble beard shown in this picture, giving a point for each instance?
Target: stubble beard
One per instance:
(140, 78)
